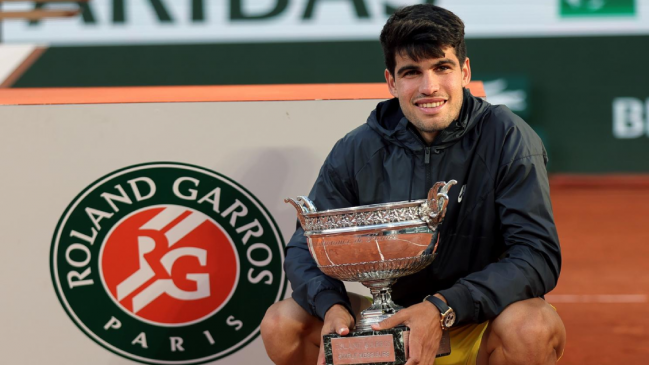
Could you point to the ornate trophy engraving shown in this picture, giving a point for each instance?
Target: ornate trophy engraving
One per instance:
(374, 245)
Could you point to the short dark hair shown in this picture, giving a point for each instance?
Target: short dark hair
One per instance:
(422, 31)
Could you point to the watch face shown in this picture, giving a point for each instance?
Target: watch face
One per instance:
(449, 320)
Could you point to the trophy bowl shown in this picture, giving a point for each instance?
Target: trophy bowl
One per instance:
(374, 244)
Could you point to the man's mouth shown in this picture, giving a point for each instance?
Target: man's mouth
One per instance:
(430, 106)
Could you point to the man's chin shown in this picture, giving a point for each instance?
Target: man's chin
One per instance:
(432, 127)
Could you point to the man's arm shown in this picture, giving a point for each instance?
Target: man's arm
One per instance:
(531, 263)
(313, 290)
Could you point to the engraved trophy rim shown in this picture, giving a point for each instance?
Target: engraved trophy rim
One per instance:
(414, 219)
(383, 216)
(368, 208)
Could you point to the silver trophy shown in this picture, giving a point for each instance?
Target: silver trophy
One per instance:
(374, 245)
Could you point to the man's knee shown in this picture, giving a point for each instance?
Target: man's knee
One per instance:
(530, 331)
(286, 319)
(271, 321)
(531, 327)
(290, 334)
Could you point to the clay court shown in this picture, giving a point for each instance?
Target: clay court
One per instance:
(603, 290)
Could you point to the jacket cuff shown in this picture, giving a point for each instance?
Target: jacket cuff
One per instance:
(327, 298)
(459, 298)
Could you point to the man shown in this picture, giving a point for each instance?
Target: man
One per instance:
(498, 251)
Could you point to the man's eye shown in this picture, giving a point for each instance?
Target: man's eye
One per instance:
(443, 68)
(409, 73)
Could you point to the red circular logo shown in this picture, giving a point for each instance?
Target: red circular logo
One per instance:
(170, 265)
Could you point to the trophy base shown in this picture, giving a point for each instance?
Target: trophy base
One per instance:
(386, 347)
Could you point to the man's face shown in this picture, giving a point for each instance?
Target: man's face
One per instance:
(429, 90)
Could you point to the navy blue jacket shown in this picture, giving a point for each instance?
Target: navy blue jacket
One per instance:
(498, 242)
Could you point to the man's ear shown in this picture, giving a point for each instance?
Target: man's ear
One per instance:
(389, 79)
(466, 72)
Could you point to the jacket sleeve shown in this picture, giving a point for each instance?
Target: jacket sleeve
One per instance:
(530, 264)
(313, 290)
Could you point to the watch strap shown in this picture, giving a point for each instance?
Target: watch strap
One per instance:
(443, 308)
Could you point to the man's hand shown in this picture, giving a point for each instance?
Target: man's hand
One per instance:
(337, 320)
(425, 331)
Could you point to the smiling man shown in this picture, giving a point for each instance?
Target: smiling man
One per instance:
(430, 91)
(498, 249)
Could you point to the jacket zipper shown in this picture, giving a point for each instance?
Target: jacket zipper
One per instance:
(429, 182)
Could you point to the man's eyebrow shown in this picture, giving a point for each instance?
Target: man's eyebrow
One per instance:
(407, 68)
(442, 61)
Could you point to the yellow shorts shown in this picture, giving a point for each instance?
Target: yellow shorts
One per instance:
(465, 343)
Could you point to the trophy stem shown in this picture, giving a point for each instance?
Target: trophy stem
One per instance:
(382, 307)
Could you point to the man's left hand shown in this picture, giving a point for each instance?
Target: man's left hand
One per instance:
(425, 331)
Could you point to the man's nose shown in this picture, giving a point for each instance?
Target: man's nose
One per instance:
(429, 83)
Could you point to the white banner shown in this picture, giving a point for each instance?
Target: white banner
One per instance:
(183, 21)
(93, 223)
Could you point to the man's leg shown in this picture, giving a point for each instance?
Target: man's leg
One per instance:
(527, 332)
(292, 336)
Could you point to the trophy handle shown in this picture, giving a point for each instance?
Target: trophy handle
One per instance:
(303, 205)
(435, 207)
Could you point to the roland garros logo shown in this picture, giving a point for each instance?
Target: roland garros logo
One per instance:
(167, 263)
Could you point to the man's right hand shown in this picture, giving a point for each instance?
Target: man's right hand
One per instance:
(337, 320)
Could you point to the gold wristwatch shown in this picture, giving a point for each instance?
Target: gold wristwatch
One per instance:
(446, 313)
